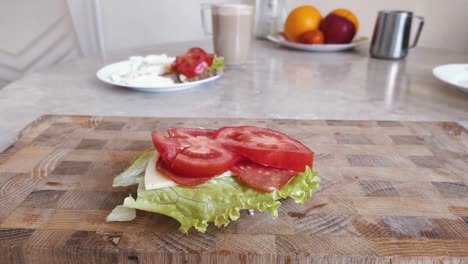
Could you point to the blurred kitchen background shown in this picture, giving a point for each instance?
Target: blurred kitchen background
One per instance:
(35, 34)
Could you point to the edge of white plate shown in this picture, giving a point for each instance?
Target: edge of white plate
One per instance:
(314, 47)
(440, 77)
(436, 72)
(103, 75)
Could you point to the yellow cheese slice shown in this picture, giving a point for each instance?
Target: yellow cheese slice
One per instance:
(156, 180)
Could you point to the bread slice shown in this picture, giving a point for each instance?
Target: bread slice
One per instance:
(205, 75)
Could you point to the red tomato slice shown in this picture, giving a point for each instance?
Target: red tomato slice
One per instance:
(203, 158)
(193, 156)
(266, 146)
(168, 148)
(188, 67)
(193, 63)
(262, 178)
(191, 68)
(181, 180)
(196, 51)
(182, 132)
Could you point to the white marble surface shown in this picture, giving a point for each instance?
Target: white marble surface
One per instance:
(276, 83)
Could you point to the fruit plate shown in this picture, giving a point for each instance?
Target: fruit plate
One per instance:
(282, 41)
(104, 75)
(454, 74)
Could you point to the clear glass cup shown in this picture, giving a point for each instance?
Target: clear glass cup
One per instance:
(231, 27)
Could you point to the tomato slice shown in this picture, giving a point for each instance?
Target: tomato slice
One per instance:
(182, 132)
(196, 51)
(266, 146)
(193, 156)
(190, 67)
(168, 148)
(203, 158)
(181, 180)
(262, 178)
(193, 63)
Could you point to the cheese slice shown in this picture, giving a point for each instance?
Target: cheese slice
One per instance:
(156, 180)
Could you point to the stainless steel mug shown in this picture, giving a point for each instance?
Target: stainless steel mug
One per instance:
(392, 34)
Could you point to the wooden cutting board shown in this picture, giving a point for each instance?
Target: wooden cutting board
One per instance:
(391, 192)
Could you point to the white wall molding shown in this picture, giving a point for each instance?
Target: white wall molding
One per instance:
(37, 34)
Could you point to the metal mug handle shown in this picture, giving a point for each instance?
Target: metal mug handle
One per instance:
(418, 33)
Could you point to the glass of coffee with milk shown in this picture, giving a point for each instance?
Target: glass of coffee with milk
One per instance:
(231, 27)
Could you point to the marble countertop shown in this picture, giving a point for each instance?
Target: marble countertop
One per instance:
(276, 83)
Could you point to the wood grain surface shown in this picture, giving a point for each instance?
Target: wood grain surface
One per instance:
(391, 192)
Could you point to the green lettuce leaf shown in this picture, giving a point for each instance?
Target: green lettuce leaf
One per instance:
(121, 214)
(135, 171)
(219, 200)
(217, 65)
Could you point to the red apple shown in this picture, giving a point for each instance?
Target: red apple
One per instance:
(337, 29)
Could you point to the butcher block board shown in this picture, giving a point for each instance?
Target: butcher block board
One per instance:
(391, 192)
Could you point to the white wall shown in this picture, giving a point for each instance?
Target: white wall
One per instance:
(34, 34)
(137, 22)
(146, 22)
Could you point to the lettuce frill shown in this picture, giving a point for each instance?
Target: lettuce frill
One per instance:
(218, 200)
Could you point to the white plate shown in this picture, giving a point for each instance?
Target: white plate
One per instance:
(454, 74)
(277, 38)
(104, 75)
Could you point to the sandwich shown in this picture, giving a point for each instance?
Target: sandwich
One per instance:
(198, 176)
(196, 64)
(161, 70)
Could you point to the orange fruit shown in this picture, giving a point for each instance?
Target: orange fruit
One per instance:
(313, 37)
(300, 20)
(348, 15)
